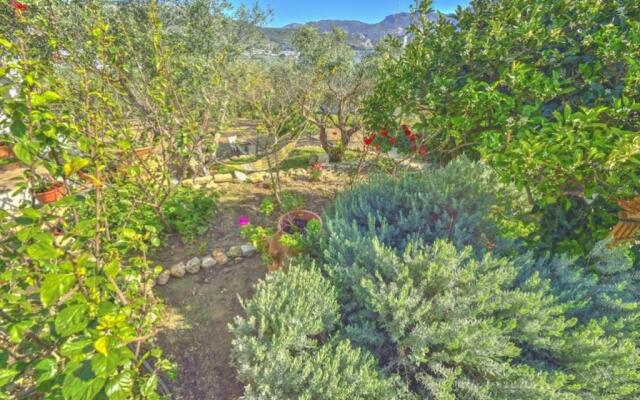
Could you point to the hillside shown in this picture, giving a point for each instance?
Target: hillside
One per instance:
(362, 36)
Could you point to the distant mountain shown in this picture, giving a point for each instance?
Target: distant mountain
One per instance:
(362, 36)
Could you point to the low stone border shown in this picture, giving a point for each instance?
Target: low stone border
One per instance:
(196, 264)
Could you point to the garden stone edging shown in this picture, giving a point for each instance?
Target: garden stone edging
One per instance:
(194, 265)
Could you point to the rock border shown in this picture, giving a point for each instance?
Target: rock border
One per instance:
(217, 258)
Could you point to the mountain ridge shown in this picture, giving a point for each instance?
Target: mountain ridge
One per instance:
(362, 36)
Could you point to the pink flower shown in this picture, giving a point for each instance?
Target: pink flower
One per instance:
(243, 220)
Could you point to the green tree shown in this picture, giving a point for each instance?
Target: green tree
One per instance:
(337, 85)
(545, 91)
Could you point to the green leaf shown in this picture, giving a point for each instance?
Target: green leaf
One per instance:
(102, 344)
(23, 153)
(16, 332)
(149, 387)
(5, 43)
(72, 319)
(54, 286)
(80, 383)
(6, 375)
(112, 268)
(120, 387)
(43, 250)
(76, 347)
(45, 370)
(105, 365)
(44, 98)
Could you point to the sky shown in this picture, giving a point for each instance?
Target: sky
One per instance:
(300, 11)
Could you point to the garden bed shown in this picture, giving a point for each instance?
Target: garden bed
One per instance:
(201, 306)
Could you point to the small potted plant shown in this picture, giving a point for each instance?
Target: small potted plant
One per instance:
(48, 190)
(296, 221)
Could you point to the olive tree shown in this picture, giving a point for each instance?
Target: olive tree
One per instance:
(338, 83)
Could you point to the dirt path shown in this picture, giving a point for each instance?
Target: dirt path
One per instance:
(200, 343)
(201, 306)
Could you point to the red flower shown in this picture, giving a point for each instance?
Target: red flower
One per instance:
(384, 133)
(406, 130)
(369, 139)
(423, 150)
(392, 141)
(18, 6)
(412, 137)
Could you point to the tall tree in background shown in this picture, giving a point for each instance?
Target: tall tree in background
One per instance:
(338, 84)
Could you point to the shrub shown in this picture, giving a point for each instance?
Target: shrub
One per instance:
(458, 202)
(189, 212)
(281, 348)
(442, 319)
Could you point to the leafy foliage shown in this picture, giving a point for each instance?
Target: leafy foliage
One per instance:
(100, 98)
(545, 91)
(447, 319)
(189, 212)
(285, 336)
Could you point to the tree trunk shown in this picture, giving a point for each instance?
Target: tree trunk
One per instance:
(335, 153)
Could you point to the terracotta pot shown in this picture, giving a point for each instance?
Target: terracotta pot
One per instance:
(5, 152)
(296, 220)
(55, 193)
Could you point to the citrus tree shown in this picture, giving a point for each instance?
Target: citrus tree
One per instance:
(545, 91)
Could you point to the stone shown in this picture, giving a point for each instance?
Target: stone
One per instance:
(220, 257)
(222, 178)
(313, 159)
(323, 158)
(209, 262)
(248, 250)
(234, 252)
(211, 185)
(256, 178)
(203, 180)
(178, 270)
(240, 176)
(193, 265)
(163, 278)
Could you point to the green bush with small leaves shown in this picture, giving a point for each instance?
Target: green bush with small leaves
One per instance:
(443, 315)
(189, 212)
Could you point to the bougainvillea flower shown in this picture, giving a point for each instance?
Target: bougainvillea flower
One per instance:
(423, 150)
(384, 133)
(413, 137)
(392, 141)
(18, 6)
(243, 220)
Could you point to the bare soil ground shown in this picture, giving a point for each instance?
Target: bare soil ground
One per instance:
(201, 306)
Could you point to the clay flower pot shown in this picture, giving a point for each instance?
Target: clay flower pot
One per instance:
(5, 152)
(296, 221)
(55, 193)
